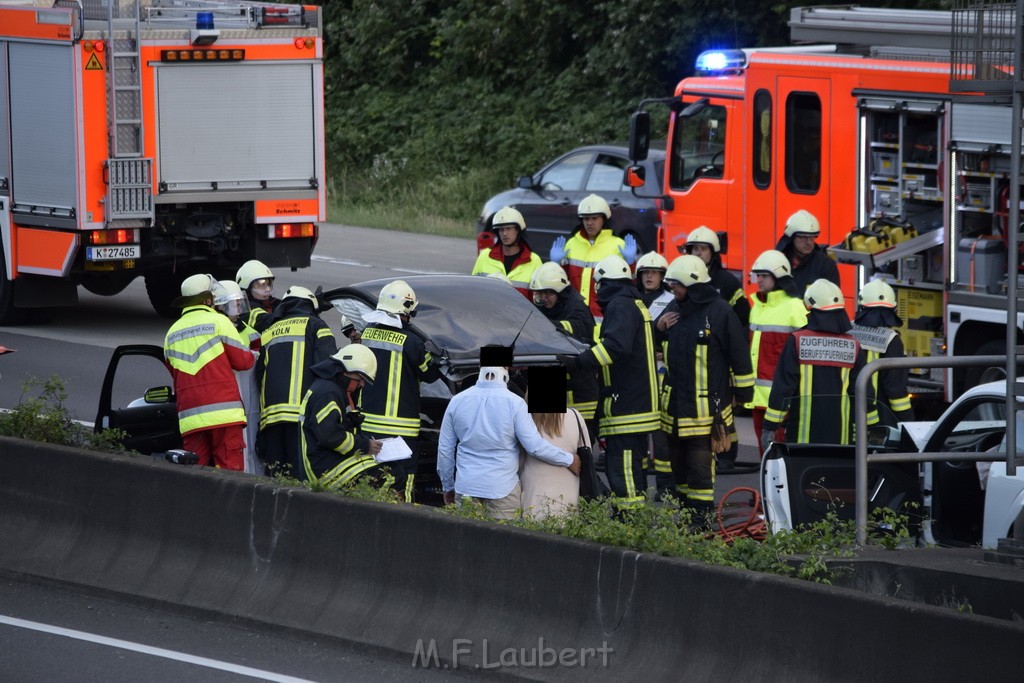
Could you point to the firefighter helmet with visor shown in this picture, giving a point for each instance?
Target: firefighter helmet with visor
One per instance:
(358, 359)
(549, 275)
(687, 270)
(823, 295)
(397, 298)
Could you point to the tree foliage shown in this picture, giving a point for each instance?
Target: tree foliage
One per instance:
(421, 90)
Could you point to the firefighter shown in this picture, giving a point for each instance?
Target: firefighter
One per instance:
(391, 405)
(776, 313)
(203, 351)
(707, 358)
(650, 280)
(232, 302)
(873, 327)
(294, 339)
(704, 243)
(334, 450)
(656, 295)
(348, 328)
(258, 282)
(511, 256)
(815, 376)
(628, 404)
(563, 305)
(592, 240)
(808, 261)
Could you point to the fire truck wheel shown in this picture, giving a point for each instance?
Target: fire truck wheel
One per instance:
(162, 289)
(9, 313)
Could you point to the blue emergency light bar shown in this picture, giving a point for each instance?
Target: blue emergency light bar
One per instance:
(720, 61)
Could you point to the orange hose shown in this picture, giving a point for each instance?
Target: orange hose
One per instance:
(753, 526)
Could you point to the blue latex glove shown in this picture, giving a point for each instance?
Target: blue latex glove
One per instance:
(557, 253)
(628, 250)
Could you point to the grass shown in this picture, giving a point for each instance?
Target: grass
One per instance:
(447, 205)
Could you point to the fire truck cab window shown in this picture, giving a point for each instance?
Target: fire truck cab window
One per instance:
(762, 147)
(803, 142)
(698, 147)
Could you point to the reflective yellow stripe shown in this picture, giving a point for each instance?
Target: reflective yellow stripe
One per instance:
(803, 434)
(741, 381)
(347, 470)
(566, 325)
(900, 404)
(627, 470)
(773, 415)
(392, 425)
(662, 466)
(736, 296)
(603, 359)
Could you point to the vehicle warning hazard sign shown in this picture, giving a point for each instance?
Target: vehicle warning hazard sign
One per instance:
(818, 349)
(93, 64)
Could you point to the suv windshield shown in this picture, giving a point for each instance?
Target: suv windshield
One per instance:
(698, 147)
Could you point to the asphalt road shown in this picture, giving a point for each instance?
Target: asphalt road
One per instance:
(53, 633)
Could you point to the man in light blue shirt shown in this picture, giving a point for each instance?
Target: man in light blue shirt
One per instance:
(486, 424)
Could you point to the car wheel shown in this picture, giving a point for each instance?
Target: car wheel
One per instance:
(976, 376)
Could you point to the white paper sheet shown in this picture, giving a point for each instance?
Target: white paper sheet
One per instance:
(393, 449)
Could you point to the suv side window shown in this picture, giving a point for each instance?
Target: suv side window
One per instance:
(607, 174)
(567, 174)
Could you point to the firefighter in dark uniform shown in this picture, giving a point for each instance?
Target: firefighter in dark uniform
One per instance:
(564, 306)
(334, 450)
(708, 366)
(258, 283)
(294, 339)
(873, 328)
(815, 376)
(703, 242)
(391, 405)
(810, 262)
(656, 295)
(628, 405)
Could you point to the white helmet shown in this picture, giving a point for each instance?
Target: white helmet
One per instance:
(508, 216)
(230, 298)
(704, 235)
(652, 261)
(823, 295)
(612, 267)
(877, 293)
(773, 263)
(687, 270)
(398, 298)
(803, 223)
(593, 205)
(358, 358)
(299, 292)
(252, 270)
(549, 275)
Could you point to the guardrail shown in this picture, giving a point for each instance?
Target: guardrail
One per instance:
(860, 409)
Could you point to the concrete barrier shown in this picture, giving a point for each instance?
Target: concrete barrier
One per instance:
(441, 590)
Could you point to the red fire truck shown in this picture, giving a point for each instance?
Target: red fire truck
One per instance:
(158, 138)
(908, 178)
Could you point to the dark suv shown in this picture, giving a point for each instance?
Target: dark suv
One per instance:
(548, 199)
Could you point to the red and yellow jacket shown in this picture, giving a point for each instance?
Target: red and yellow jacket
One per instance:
(581, 257)
(492, 260)
(203, 351)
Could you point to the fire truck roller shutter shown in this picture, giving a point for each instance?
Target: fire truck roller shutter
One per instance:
(5, 128)
(237, 125)
(43, 146)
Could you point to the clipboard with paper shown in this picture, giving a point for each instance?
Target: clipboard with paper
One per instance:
(393, 449)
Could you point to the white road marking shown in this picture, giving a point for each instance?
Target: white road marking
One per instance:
(154, 651)
(357, 264)
(340, 261)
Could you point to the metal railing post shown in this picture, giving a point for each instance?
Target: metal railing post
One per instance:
(860, 412)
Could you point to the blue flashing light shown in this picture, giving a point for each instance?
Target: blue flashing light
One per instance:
(204, 20)
(720, 61)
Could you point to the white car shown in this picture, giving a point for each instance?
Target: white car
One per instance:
(959, 503)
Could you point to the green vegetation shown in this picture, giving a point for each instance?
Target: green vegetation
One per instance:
(433, 106)
(44, 417)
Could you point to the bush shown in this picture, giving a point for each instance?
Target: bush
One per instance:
(45, 418)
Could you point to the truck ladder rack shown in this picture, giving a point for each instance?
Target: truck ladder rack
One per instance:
(239, 15)
(865, 27)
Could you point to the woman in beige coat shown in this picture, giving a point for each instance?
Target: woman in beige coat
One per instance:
(548, 489)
